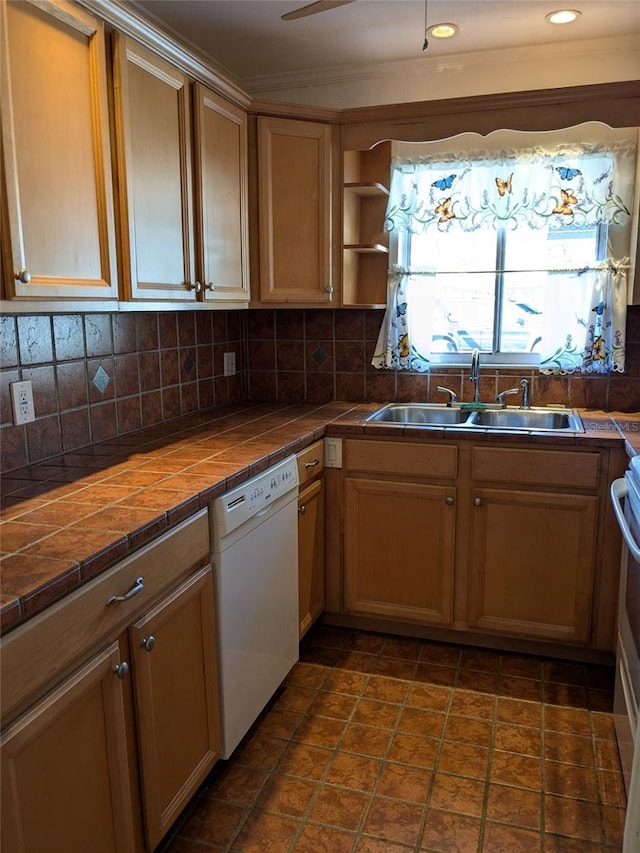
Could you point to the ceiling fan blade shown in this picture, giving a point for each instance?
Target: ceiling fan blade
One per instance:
(314, 8)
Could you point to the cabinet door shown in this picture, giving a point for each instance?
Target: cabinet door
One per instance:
(222, 203)
(59, 239)
(294, 208)
(532, 563)
(154, 171)
(399, 549)
(176, 690)
(310, 554)
(65, 777)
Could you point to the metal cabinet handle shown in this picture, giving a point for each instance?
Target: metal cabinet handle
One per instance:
(148, 643)
(312, 464)
(477, 501)
(302, 509)
(210, 286)
(197, 286)
(23, 275)
(121, 669)
(137, 587)
(449, 501)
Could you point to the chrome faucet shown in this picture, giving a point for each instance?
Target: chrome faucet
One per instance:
(474, 376)
(524, 387)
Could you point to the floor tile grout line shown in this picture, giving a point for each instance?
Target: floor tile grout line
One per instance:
(402, 705)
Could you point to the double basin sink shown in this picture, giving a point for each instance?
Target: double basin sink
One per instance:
(487, 419)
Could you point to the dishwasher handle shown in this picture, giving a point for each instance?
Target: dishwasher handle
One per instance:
(619, 491)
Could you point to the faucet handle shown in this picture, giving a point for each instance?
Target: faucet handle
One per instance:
(453, 397)
(503, 394)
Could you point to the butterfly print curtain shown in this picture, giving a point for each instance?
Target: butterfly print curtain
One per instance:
(394, 350)
(571, 185)
(595, 341)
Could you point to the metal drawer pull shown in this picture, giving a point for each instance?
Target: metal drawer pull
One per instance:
(449, 501)
(23, 276)
(148, 643)
(302, 509)
(135, 589)
(477, 501)
(312, 464)
(121, 669)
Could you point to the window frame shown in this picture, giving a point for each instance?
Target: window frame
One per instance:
(400, 249)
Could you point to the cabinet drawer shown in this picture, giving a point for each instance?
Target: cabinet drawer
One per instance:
(310, 462)
(38, 651)
(421, 460)
(536, 467)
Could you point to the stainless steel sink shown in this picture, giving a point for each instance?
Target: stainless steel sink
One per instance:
(489, 420)
(419, 414)
(537, 420)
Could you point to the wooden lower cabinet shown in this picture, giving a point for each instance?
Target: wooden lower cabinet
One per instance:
(399, 553)
(65, 773)
(532, 563)
(176, 697)
(512, 542)
(311, 536)
(310, 554)
(70, 765)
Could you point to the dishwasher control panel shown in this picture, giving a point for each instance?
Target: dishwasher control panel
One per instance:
(241, 503)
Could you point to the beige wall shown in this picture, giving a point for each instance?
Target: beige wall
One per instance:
(604, 60)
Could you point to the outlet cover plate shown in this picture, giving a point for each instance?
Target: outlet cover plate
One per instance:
(229, 364)
(22, 401)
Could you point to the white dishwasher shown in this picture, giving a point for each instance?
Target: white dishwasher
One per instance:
(254, 536)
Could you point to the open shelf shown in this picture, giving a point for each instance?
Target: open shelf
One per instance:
(366, 189)
(368, 248)
(365, 242)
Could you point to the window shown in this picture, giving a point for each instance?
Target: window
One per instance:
(491, 287)
(510, 251)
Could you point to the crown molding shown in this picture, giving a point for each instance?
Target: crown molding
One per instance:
(129, 22)
(425, 65)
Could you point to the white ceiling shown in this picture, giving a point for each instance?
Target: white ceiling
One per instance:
(248, 40)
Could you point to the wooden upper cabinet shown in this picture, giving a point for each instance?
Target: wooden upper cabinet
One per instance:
(59, 239)
(294, 211)
(221, 197)
(153, 127)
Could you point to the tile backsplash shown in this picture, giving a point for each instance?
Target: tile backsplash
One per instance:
(96, 376)
(323, 355)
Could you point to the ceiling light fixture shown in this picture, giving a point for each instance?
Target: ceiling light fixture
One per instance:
(443, 31)
(438, 31)
(563, 16)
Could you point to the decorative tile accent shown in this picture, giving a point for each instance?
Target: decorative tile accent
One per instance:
(101, 380)
(319, 356)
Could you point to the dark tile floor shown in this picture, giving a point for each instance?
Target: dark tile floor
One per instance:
(382, 744)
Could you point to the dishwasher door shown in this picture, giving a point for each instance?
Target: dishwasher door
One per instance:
(256, 587)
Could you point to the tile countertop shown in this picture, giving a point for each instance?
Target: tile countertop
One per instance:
(68, 519)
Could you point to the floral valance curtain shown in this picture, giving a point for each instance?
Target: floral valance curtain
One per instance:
(571, 185)
(535, 188)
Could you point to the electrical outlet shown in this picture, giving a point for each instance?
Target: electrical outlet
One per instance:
(22, 400)
(229, 364)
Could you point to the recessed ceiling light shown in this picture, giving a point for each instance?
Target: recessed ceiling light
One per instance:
(563, 16)
(443, 31)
